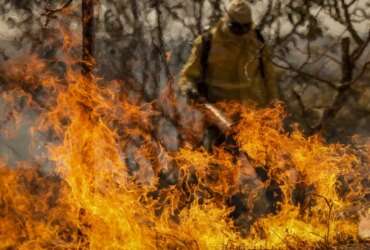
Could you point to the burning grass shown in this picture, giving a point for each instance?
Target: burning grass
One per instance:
(91, 200)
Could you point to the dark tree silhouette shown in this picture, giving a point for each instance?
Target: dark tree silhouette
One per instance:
(88, 35)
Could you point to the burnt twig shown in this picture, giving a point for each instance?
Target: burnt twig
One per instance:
(51, 13)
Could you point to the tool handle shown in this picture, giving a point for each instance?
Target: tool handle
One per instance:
(218, 117)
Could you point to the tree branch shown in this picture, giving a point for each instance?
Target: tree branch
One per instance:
(349, 24)
(51, 13)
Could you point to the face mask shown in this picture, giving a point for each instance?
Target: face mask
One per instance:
(239, 29)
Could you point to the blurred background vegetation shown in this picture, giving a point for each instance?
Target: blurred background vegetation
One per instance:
(321, 48)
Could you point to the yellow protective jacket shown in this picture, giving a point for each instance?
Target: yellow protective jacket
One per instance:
(233, 71)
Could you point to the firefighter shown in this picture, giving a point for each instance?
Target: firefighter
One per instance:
(231, 62)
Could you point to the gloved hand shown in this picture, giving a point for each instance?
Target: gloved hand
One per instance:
(190, 91)
(193, 94)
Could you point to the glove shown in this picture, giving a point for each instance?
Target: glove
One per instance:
(193, 94)
(190, 91)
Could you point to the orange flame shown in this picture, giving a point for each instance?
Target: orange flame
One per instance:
(92, 201)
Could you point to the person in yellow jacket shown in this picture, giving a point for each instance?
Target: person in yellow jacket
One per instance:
(231, 62)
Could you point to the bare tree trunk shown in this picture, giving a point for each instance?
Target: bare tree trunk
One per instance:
(139, 40)
(343, 91)
(347, 66)
(88, 36)
(161, 47)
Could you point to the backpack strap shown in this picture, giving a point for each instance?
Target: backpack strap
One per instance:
(205, 51)
(261, 62)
